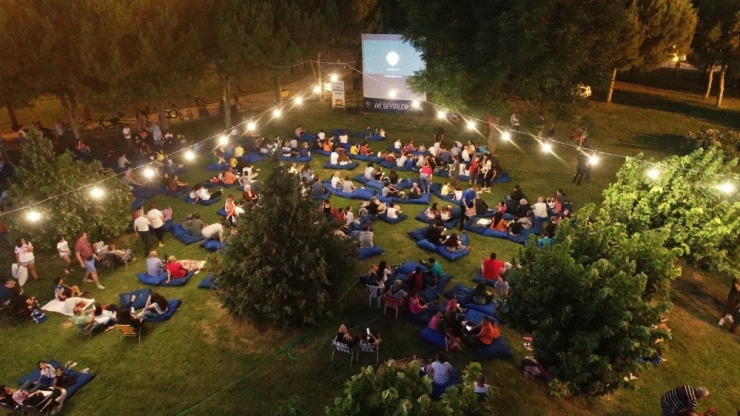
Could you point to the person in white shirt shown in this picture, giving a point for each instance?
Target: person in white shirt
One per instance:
(392, 211)
(349, 217)
(343, 138)
(293, 169)
(434, 150)
(336, 181)
(441, 370)
(156, 222)
(370, 171)
(401, 162)
(141, 226)
(293, 143)
(540, 208)
(348, 186)
(334, 157)
(382, 133)
(24, 257)
(65, 253)
(199, 192)
(397, 144)
(321, 135)
(466, 154)
(214, 231)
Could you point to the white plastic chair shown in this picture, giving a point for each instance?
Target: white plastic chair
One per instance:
(374, 292)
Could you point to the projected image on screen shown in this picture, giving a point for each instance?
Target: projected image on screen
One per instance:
(388, 61)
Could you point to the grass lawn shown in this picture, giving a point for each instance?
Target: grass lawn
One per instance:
(203, 362)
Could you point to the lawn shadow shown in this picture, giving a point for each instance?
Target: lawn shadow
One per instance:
(654, 142)
(725, 117)
(692, 296)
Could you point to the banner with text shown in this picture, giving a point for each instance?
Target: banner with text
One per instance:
(380, 105)
(337, 94)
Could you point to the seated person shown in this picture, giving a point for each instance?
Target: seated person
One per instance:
(401, 161)
(454, 244)
(82, 318)
(416, 306)
(368, 338)
(415, 282)
(62, 291)
(393, 211)
(336, 181)
(62, 380)
(103, 318)
(515, 228)
(365, 237)
(371, 173)
(303, 150)
(481, 207)
(119, 255)
(501, 287)
(175, 269)
(334, 157)
(227, 178)
(453, 306)
(523, 208)
(249, 196)
(498, 223)
(354, 149)
(435, 233)
(344, 337)
(193, 224)
(397, 145)
(374, 207)
(452, 341)
(318, 190)
(435, 268)
(154, 265)
(396, 291)
(327, 145)
(511, 205)
(388, 191)
(45, 380)
(415, 191)
(365, 150)
(528, 221)
(565, 215)
(545, 240)
(483, 334)
(432, 213)
(343, 137)
(393, 177)
(457, 194)
(481, 295)
(446, 189)
(343, 158)
(436, 321)
(347, 185)
(42, 399)
(156, 305)
(200, 193)
(327, 209)
(446, 213)
(175, 185)
(440, 370)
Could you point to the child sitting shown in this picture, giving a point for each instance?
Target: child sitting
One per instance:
(451, 341)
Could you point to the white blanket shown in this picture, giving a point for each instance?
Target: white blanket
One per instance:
(65, 307)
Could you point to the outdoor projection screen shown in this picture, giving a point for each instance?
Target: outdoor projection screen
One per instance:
(387, 62)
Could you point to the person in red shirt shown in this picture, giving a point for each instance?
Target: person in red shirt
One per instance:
(175, 269)
(491, 267)
(416, 280)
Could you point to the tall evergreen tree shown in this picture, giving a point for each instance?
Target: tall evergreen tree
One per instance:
(284, 264)
(42, 174)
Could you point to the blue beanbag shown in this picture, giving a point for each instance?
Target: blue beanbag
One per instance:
(207, 283)
(299, 159)
(367, 158)
(348, 166)
(177, 229)
(436, 338)
(450, 224)
(475, 316)
(425, 198)
(361, 179)
(409, 267)
(213, 245)
(389, 165)
(521, 238)
(221, 212)
(322, 152)
(180, 281)
(385, 218)
(418, 234)
(488, 282)
(366, 253)
(211, 201)
(152, 280)
(141, 297)
(251, 158)
(187, 238)
(372, 183)
(489, 309)
(217, 167)
(341, 194)
(429, 294)
(376, 138)
(495, 233)
(499, 348)
(363, 193)
(82, 378)
(464, 294)
(176, 194)
(472, 227)
(503, 178)
(442, 251)
(172, 306)
(426, 245)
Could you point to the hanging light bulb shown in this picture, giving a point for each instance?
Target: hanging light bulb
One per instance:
(317, 89)
(33, 216)
(415, 104)
(506, 136)
(251, 126)
(726, 188)
(189, 155)
(334, 78)
(276, 113)
(96, 192)
(546, 147)
(471, 125)
(299, 100)
(441, 114)
(224, 140)
(149, 172)
(653, 173)
(593, 160)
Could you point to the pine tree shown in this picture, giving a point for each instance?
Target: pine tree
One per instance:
(591, 301)
(285, 261)
(42, 174)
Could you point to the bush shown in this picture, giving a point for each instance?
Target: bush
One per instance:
(42, 174)
(285, 259)
(728, 142)
(684, 200)
(401, 390)
(591, 300)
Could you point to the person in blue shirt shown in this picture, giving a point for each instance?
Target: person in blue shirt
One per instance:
(468, 200)
(545, 240)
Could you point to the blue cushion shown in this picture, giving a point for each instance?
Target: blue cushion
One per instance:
(144, 192)
(442, 251)
(425, 198)
(418, 234)
(389, 165)
(495, 233)
(498, 349)
(202, 202)
(341, 194)
(348, 166)
(251, 158)
(181, 281)
(178, 230)
(366, 253)
(82, 378)
(464, 294)
(504, 177)
(367, 158)
(429, 294)
(217, 167)
(187, 238)
(409, 267)
(436, 338)
(489, 309)
(168, 225)
(176, 194)
(521, 238)
(213, 245)
(152, 280)
(360, 178)
(421, 319)
(322, 152)
(141, 297)
(426, 245)
(449, 224)
(361, 193)
(221, 212)
(385, 218)
(338, 132)
(173, 304)
(475, 316)
(375, 184)
(488, 282)
(298, 159)
(376, 138)
(207, 283)
(470, 226)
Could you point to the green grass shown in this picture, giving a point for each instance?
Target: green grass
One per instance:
(205, 362)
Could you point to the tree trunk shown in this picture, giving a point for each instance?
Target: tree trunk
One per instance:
(721, 92)
(164, 122)
(710, 79)
(319, 76)
(610, 92)
(13, 118)
(278, 90)
(225, 94)
(678, 66)
(70, 109)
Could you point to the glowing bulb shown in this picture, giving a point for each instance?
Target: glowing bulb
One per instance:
(189, 155)
(96, 192)
(471, 124)
(726, 188)
(441, 114)
(334, 78)
(392, 93)
(546, 147)
(317, 89)
(149, 172)
(224, 139)
(33, 216)
(593, 160)
(506, 135)
(299, 100)
(653, 173)
(251, 126)
(276, 113)
(415, 104)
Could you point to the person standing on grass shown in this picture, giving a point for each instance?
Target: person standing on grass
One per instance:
(141, 226)
(581, 168)
(156, 221)
(681, 401)
(24, 257)
(86, 257)
(65, 253)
